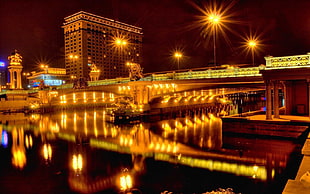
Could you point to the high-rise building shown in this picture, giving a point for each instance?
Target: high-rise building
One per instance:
(108, 44)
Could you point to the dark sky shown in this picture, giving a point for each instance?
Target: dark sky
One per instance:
(33, 27)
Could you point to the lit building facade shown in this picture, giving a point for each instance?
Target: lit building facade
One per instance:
(108, 44)
(49, 77)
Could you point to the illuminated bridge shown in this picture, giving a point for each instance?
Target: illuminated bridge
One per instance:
(288, 73)
(183, 85)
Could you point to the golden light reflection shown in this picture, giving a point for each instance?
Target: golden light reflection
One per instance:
(94, 97)
(95, 124)
(64, 120)
(77, 162)
(74, 98)
(18, 150)
(125, 182)
(28, 141)
(74, 121)
(47, 152)
(85, 123)
(84, 97)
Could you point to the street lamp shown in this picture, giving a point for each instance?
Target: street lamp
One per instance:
(44, 67)
(214, 20)
(252, 44)
(178, 55)
(120, 42)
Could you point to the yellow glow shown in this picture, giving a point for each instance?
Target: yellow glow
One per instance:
(84, 97)
(77, 162)
(85, 123)
(120, 42)
(178, 55)
(47, 152)
(125, 182)
(74, 98)
(214, 18)
(94, 97)
(252, 43)
(19, 159)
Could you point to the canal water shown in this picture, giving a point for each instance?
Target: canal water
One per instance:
(80, 152)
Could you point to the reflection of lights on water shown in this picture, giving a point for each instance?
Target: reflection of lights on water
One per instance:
(77, 162)
(19, 158)
(28, 141)
(47, 152)
(125, 182)
(4, 139)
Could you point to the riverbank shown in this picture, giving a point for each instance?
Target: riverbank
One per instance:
(287, 126)
(293, 186)
(301, 185)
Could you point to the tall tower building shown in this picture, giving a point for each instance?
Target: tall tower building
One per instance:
(94, 40)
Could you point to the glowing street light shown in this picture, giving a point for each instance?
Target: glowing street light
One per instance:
(178, 55)
(73, 56)
(214, 20)
(120, 42)
(252, 44)
(45, 67)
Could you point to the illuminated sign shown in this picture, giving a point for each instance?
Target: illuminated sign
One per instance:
(50, 82)
(35, 83)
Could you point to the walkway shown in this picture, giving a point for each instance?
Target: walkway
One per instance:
(284, 118)
(295, 186)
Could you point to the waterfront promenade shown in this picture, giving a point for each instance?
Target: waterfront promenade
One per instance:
(293, 186)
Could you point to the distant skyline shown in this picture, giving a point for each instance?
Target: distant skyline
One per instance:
(33, 27)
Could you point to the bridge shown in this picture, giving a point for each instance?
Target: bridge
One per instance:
(178, 86)
(291, 74)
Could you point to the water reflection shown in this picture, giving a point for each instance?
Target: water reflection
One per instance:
(18, 148)
(47, 152)
(100, 156)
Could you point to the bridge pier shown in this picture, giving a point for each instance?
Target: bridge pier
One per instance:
(294, 74)
(140, 93)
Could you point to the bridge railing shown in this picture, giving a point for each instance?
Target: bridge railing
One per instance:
(207, 74)
(109, 81)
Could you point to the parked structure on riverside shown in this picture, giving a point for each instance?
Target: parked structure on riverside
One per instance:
(92, 39)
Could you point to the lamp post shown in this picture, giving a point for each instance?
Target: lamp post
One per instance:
(214, 20)
(44, 67)
(252, 44)
(178, 55)
(120, 42)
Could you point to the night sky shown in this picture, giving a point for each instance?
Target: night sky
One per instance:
(33, 27)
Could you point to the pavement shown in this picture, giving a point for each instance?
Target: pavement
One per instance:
(285, 118)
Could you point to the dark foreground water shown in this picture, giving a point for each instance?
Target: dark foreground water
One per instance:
(78, 152)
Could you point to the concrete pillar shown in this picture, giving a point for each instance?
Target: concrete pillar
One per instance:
(19, 79)
(276, 99)
(11, 79)
(268, 100)
(288, 97)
